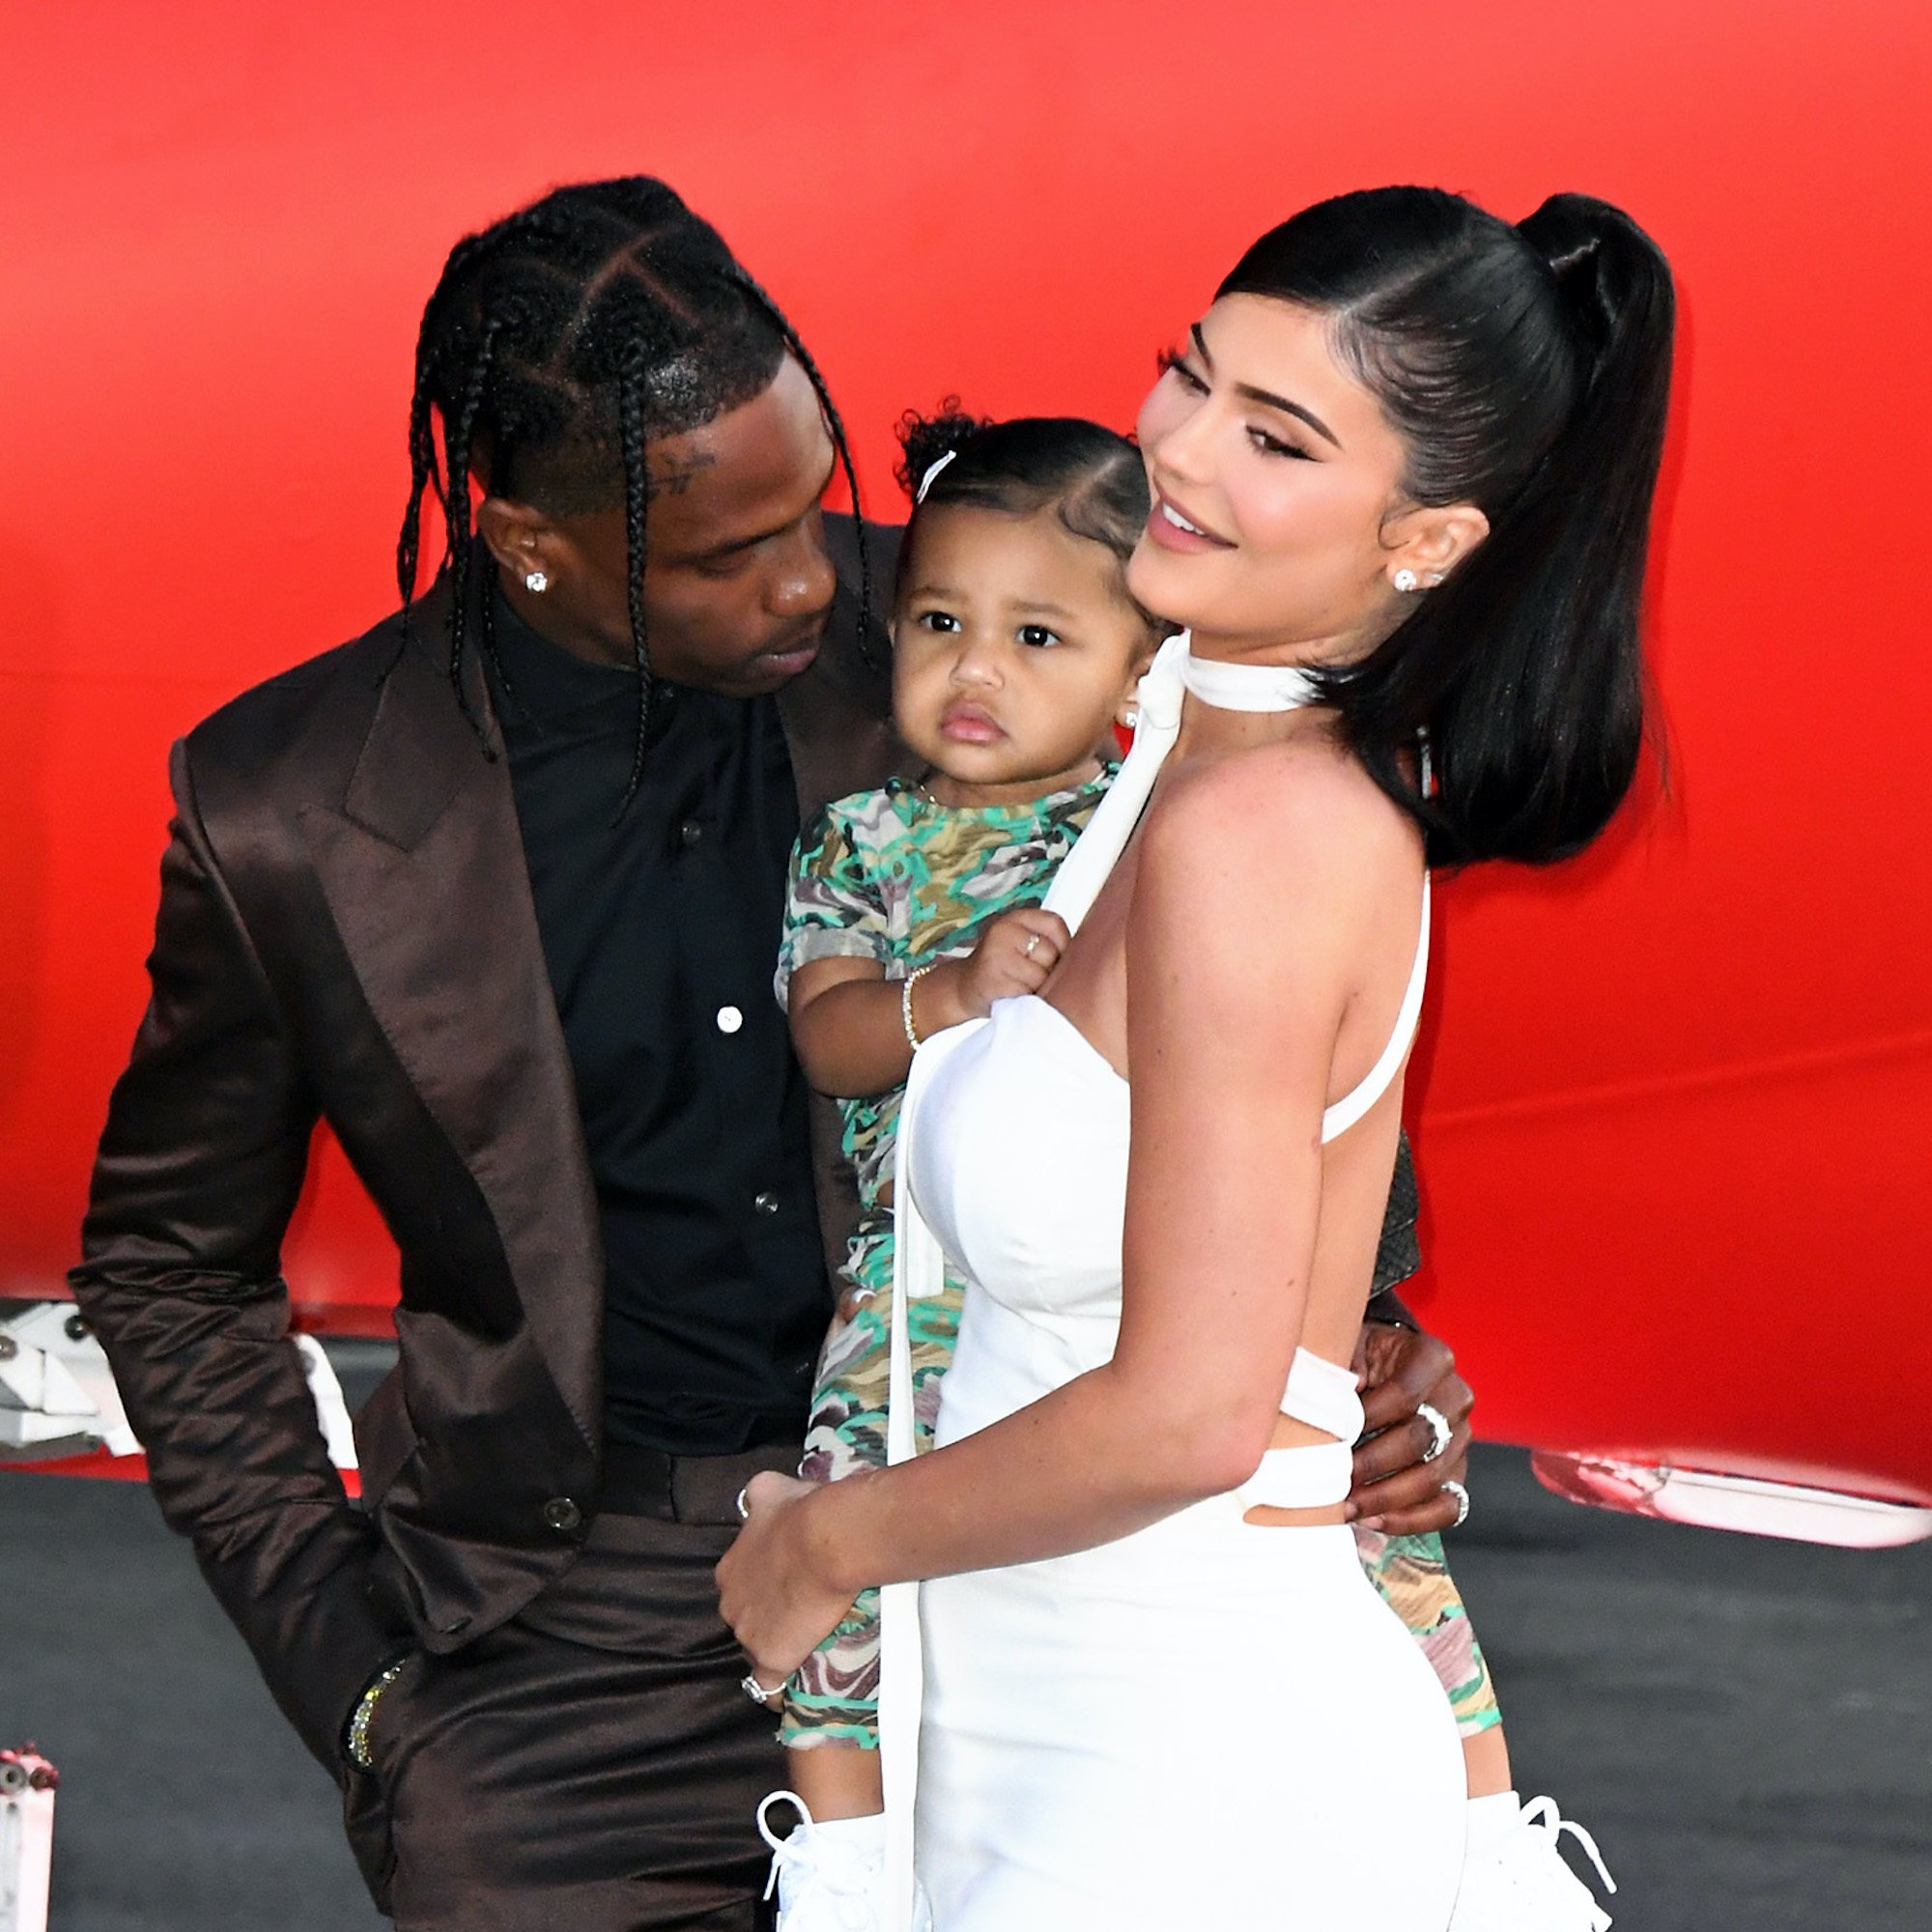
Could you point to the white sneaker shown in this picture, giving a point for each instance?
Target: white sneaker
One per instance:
(832, 1877)
(1515, 1879)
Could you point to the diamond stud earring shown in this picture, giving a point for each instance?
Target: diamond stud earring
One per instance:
(1405, 581)
(1131, 717)
(535, 582)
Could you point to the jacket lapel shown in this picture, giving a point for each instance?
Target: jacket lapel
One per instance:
(422, 866)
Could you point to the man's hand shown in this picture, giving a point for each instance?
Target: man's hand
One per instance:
(1397, 1492)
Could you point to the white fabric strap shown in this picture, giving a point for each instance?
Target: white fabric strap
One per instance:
(1352, 1106)
(918, 1271)
(1085, 870)
(1309, 1476)
(1324, 1394)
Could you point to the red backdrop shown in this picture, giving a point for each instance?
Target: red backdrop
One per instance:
(1670, 1108)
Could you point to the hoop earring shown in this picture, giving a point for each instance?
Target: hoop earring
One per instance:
(535, 582)
(1406, 579)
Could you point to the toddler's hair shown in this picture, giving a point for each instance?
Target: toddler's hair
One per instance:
(1090, 475)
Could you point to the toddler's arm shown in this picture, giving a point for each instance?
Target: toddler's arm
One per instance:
(849, 1021)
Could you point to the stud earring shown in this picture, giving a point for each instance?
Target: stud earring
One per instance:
(1405, 581)
(535, 582)
(1131, 717)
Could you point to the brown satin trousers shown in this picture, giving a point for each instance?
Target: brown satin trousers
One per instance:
(592, 1766)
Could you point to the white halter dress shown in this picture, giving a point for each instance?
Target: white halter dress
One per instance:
(1207, 1724)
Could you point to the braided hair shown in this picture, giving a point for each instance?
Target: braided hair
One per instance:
(558, 343)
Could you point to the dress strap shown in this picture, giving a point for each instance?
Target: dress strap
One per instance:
(918, 1271)
(1085, 870)
(1352, 1106)
(1314, 1474)
(1322, 1394)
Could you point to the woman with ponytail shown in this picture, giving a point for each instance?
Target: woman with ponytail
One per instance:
(1402, 473)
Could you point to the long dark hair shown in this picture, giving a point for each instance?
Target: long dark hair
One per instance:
(1526, 370)
(556, 344)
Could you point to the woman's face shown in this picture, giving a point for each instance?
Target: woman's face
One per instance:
(1278, 513)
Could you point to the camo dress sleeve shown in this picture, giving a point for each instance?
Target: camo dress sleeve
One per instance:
(835, 902)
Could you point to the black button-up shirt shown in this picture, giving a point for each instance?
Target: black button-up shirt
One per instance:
(659, 931)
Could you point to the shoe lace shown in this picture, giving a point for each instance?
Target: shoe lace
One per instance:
(839, 1874)
(1541, 1816)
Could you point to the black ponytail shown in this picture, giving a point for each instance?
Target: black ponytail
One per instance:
(1527, 371)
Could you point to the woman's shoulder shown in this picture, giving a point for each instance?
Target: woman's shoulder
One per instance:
(1295, 812)
(1267, 880)
(1266, 893)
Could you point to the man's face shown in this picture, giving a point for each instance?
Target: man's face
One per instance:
(737, 584)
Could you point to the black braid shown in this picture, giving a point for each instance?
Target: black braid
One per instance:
(459, 439)
(423, 467)
(636, 501)
(835, 424)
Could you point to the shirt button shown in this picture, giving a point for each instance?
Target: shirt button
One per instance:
(729, 1019)
(562, 1514)
(766, 1203)
(690, 833)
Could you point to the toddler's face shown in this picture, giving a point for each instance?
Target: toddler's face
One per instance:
(1015, 650)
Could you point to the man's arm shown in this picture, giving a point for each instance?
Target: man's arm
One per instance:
(199, 1169)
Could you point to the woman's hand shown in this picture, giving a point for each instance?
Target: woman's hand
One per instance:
(769, 1588)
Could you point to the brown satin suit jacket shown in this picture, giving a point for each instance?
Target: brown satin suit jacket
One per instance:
(346, 933)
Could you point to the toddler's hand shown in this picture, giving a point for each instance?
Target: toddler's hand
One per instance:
(1016, 954)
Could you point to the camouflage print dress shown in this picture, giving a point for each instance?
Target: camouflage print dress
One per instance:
(896, 878)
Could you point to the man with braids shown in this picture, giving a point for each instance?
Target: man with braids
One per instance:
(495, 890)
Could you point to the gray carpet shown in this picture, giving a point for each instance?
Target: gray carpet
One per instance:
(1745, 1725)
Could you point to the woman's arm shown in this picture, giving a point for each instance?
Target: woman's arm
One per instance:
(1233, 1023)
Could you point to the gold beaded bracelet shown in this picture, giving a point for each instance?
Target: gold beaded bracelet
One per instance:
(911, 980)
(365, 1711)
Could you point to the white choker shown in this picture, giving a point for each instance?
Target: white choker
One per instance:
(1249, 687)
